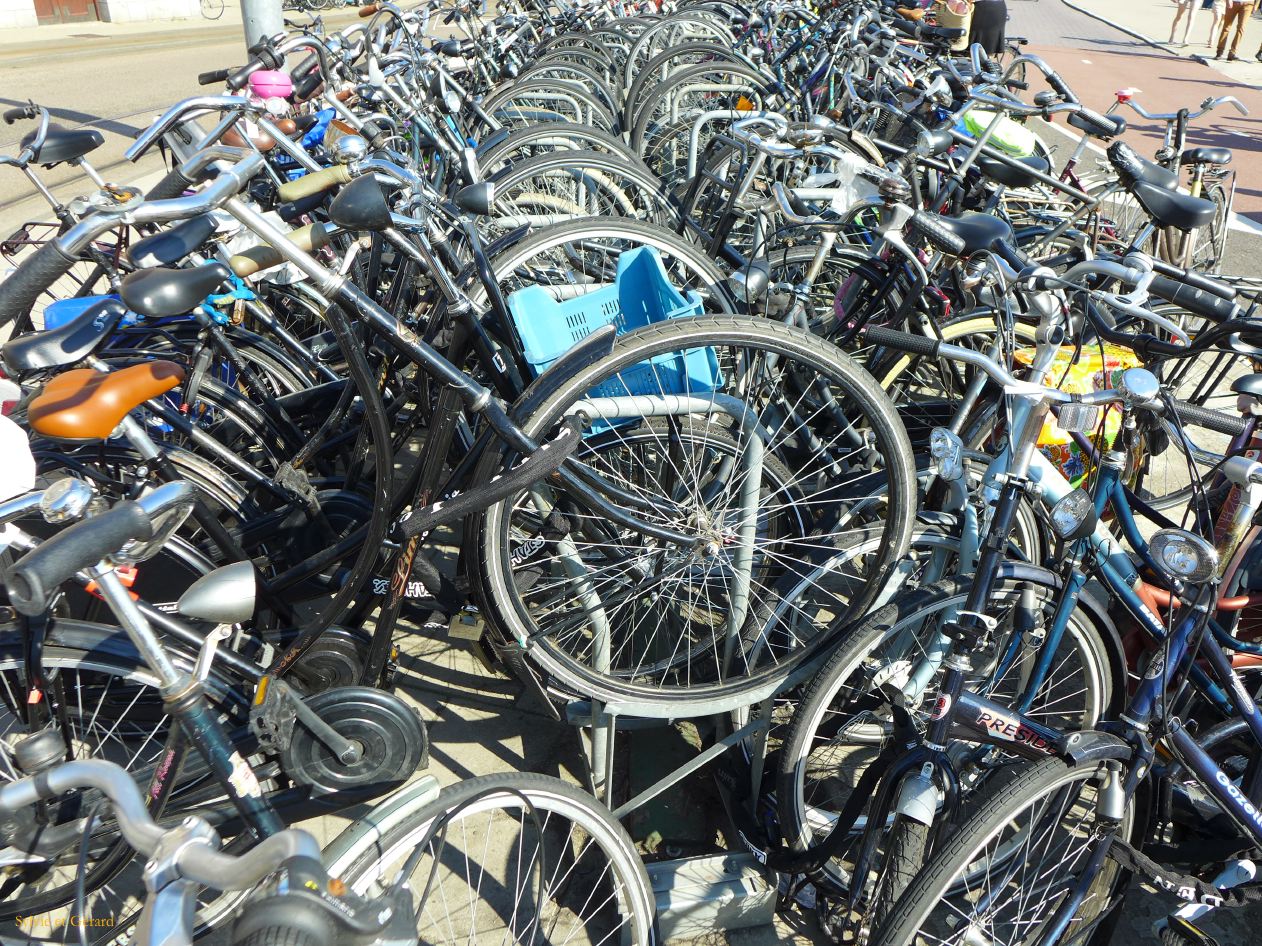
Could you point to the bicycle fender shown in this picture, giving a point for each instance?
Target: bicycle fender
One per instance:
(1089, 601)
(584, 353)
(1093, 745)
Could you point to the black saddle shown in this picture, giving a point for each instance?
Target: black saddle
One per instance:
(1171, 209)
(1134, 168)
(173, 244)
(65, 144)
(977, 231)
(1099, 126)
(66, 345)
(1009, 176)
(1250, 384)
(163, 292)
(1206, 156)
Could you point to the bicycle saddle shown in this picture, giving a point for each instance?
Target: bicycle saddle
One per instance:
(66, 344)
(1009, 176)
(262, 140)
(65, 144)
(1169, 208)
(1206, 156)
(173, 244)
(1133, 168)
(977, 231)
(162, 292)
(1250, 384)
(1099, 126)
(88, 405)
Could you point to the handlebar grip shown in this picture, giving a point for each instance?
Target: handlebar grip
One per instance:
(213, 77)
(314, 183)
(1197, 301)
(1194, 279)
(236, 80)
(34, 580)
(35, 274)
(17, 114)
(1232, 425)
(903, 341)
(368, 10)
(305, 87)
(1058, 85)
(173, 185)
(258, 258)
(930, 227)
(909, 28)
(287, 919)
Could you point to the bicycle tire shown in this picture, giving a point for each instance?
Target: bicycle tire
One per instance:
(95, 653)
(848, 383)
(937, 882)
(363, 866)
(575, 185)
(526, 143)
(806, 812)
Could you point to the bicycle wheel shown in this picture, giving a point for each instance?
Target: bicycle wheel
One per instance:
(524, 105)
(622, 615)
(839, 728)
(516, 858)
(1210, 242)
(576, 257)
(567, 185)
(108, 706)
(212, 9)
(1008, 868)
(525, 143)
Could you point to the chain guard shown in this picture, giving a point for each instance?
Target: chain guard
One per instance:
(390, 733)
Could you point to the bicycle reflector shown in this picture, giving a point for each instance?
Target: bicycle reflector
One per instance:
(1183, 555)
(1074, 516)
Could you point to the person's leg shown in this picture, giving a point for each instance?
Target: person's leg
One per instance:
(1179, 10)
(1228, 18)
(995, 24)
(1242, 17)
(1192, 9)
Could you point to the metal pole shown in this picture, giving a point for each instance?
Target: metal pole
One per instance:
(261, 19)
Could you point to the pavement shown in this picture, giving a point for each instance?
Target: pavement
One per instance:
(115, 77)
(1152, 20)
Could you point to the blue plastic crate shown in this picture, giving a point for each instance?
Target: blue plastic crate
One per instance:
(640, 295)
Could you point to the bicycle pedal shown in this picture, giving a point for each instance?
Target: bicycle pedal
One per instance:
(1181, 932)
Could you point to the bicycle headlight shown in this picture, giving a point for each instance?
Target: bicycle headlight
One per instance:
(1074, 516)
(1183, 555)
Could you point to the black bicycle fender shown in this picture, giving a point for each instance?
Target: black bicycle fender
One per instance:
(1089, 600)
(584, 353)
(1094, 746)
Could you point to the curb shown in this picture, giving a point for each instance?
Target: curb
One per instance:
(1120, 28)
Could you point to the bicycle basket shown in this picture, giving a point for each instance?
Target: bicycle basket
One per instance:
(640, 295)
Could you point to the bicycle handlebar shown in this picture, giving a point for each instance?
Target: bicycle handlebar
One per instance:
(200, 863)
(179, 113)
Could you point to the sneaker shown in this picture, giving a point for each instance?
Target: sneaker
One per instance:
(1233, 58)
(1259, 56)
